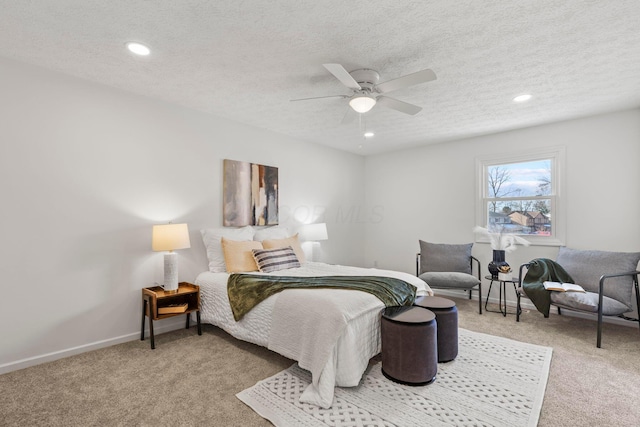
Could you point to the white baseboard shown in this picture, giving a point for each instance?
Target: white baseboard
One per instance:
(50, 357)
(526, 304)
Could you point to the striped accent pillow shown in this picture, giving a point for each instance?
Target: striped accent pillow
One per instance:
(269, 260)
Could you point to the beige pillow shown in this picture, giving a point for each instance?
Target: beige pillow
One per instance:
(238, 256)
(283, 243)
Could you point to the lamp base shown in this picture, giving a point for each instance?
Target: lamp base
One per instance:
(170, 273)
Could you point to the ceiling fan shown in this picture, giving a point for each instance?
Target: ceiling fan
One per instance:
(367, 92)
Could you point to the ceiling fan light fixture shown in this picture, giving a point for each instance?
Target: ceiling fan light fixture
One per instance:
(361, 103)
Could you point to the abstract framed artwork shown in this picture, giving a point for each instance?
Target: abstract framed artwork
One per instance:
(250, 194)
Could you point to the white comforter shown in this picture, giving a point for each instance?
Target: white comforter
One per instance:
(332, 333)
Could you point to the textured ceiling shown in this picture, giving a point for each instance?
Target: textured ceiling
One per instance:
(245, 59)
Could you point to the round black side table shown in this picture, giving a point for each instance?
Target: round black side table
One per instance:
(502, 301)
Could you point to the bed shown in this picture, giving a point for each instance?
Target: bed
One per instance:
(337, 348)
(333, 333)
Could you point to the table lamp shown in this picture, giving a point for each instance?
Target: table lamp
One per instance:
(313, 233)
(169, 237)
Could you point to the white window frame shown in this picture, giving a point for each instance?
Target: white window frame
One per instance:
(558, 209)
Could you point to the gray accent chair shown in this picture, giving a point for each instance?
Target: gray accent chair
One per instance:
(446, 266)
(608, 277)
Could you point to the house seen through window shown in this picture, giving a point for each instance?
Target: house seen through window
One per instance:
(520, 197)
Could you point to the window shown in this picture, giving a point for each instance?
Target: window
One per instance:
(521, 195)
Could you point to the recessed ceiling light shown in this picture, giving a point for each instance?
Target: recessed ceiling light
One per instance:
(522, 98)
(138, 48)
(368, 134)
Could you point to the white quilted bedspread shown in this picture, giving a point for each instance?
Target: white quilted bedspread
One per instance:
(338, 356)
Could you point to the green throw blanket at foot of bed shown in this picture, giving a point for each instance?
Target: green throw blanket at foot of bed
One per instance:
(248, 290)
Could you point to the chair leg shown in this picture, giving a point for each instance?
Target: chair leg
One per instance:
(635, 284)
(517, 307)
(479, 297)
(599, 339)
(559, 311)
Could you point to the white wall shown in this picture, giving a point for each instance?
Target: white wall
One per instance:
(428, 193)
(85, 172)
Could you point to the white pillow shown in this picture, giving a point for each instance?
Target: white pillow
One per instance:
(268, 233)
(212, 237)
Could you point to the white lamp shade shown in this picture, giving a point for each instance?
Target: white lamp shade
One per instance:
(314, 232)
(169, 237)
(362, 103)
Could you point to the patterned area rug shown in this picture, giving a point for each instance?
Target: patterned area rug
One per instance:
(493, 382)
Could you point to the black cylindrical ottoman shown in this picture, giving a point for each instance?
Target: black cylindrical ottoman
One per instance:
(447, 318)
(409, 345)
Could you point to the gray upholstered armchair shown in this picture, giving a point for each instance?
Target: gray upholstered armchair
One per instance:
(445, 266)
(608, 277)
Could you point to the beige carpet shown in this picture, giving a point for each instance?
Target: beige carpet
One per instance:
(192, 380)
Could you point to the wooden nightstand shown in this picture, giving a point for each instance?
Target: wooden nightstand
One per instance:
(155, 298)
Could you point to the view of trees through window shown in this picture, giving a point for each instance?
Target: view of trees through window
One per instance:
(519, 197)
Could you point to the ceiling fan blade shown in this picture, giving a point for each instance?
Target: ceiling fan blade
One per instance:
(343, 75)
(395, 104)
(349, 116)
(319, 97)
(405, 81)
